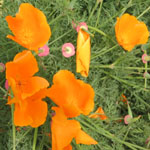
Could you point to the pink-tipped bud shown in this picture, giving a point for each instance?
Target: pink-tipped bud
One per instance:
(45, 51)
(68, 50)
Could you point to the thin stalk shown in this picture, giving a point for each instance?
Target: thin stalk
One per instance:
(13, 127)
(35, 139)
(109, 135)
(140, 99)
(102, 33)
(145, 11)
(104, 52)
(23, 136)
(125, 8)
(126, 133)
(117, 67)
(125, 82)
(99, 13)
(91, 14)
(145, 85)
(59, 37)
(54, 20)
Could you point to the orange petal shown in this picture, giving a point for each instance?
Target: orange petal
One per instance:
(26, 26)
(31, 113)
(83, 138)
(130, 32)
(72, 95)
(99, 114)
(38, 112)
(21, 115)
(32, 85)
(83, 53)
(63, 130)
(69, 147)
(23, 66)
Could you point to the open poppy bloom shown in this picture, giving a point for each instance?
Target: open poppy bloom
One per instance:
(99, 113)
(130, 32)
(25, 88)
(31, 111)
(19, 74)
(83, 53)
(63, 131)
(30, 27)
(72, 95)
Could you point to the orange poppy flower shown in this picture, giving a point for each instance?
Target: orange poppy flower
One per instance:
(28, 90)
(72, 95)
(31, 111)
(83, 53)
(63, 131)
(99, 114)
(130, 32)
(19, 74)
(30, 27)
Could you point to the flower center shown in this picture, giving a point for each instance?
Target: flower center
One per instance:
(68, 50)
(83, 27)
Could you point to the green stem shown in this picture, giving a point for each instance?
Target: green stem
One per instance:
(145, 11)
(117, 67)
(141, 100)
(3, 90)
(91, 14)
(35, 138)
(101, 32)
(22, 137)
(104, 52)
(125, 82)
(125, 8)
(108, 134)
(126, 133)
(54, 20)
(59, 37)
(99, 13)
(145, 85)
(13, 127)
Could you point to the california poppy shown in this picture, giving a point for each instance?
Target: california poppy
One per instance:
(83, 53)
(30, 27)
(130, 32)
(19, 74)
(99, 113)
(64, 130)
(28, 90)
(72, 95)
(31, 111)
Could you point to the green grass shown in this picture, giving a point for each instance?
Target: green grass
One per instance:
(126, 76)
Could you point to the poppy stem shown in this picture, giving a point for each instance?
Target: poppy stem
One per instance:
(107, 134)
(13, 127)
(145, 11)
(99, 12)
(35, 138)
(104, 51)
(102, 33)
(145, 85)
